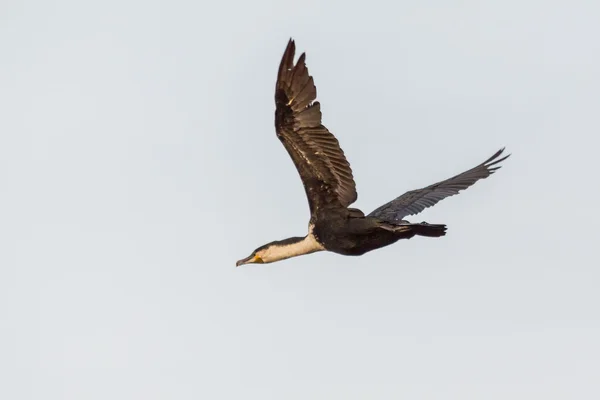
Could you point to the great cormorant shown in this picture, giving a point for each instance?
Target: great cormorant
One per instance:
(330, 187)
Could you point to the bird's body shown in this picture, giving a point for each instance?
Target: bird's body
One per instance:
(329, 184)
(351, 234)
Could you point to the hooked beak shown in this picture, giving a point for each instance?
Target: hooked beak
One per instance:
(252, 259)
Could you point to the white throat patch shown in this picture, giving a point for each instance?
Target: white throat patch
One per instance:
(280, 252)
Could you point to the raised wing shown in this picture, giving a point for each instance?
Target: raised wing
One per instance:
(415, 201)
(325, 172)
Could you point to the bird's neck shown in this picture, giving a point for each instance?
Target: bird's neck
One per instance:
(292, 247)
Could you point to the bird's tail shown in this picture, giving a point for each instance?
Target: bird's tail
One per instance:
(429, 230)
(407, 230)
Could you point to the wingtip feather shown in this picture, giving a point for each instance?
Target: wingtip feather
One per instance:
(493, 160)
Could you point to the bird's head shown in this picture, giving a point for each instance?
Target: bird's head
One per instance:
(254, 258)
(267, 253)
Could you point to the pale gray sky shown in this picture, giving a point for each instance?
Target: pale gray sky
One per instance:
(138, 162)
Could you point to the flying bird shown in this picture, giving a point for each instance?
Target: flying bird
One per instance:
(329, 184)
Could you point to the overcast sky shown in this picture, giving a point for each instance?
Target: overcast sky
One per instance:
(138, 162)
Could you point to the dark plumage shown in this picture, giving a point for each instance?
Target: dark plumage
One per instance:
(415, 201)
(324, 170)
(329, 184)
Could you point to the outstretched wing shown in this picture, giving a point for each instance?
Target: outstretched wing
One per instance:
(325, 172)
(415, 201)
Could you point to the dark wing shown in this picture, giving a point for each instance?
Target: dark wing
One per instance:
(320, 161)
(415, 201)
